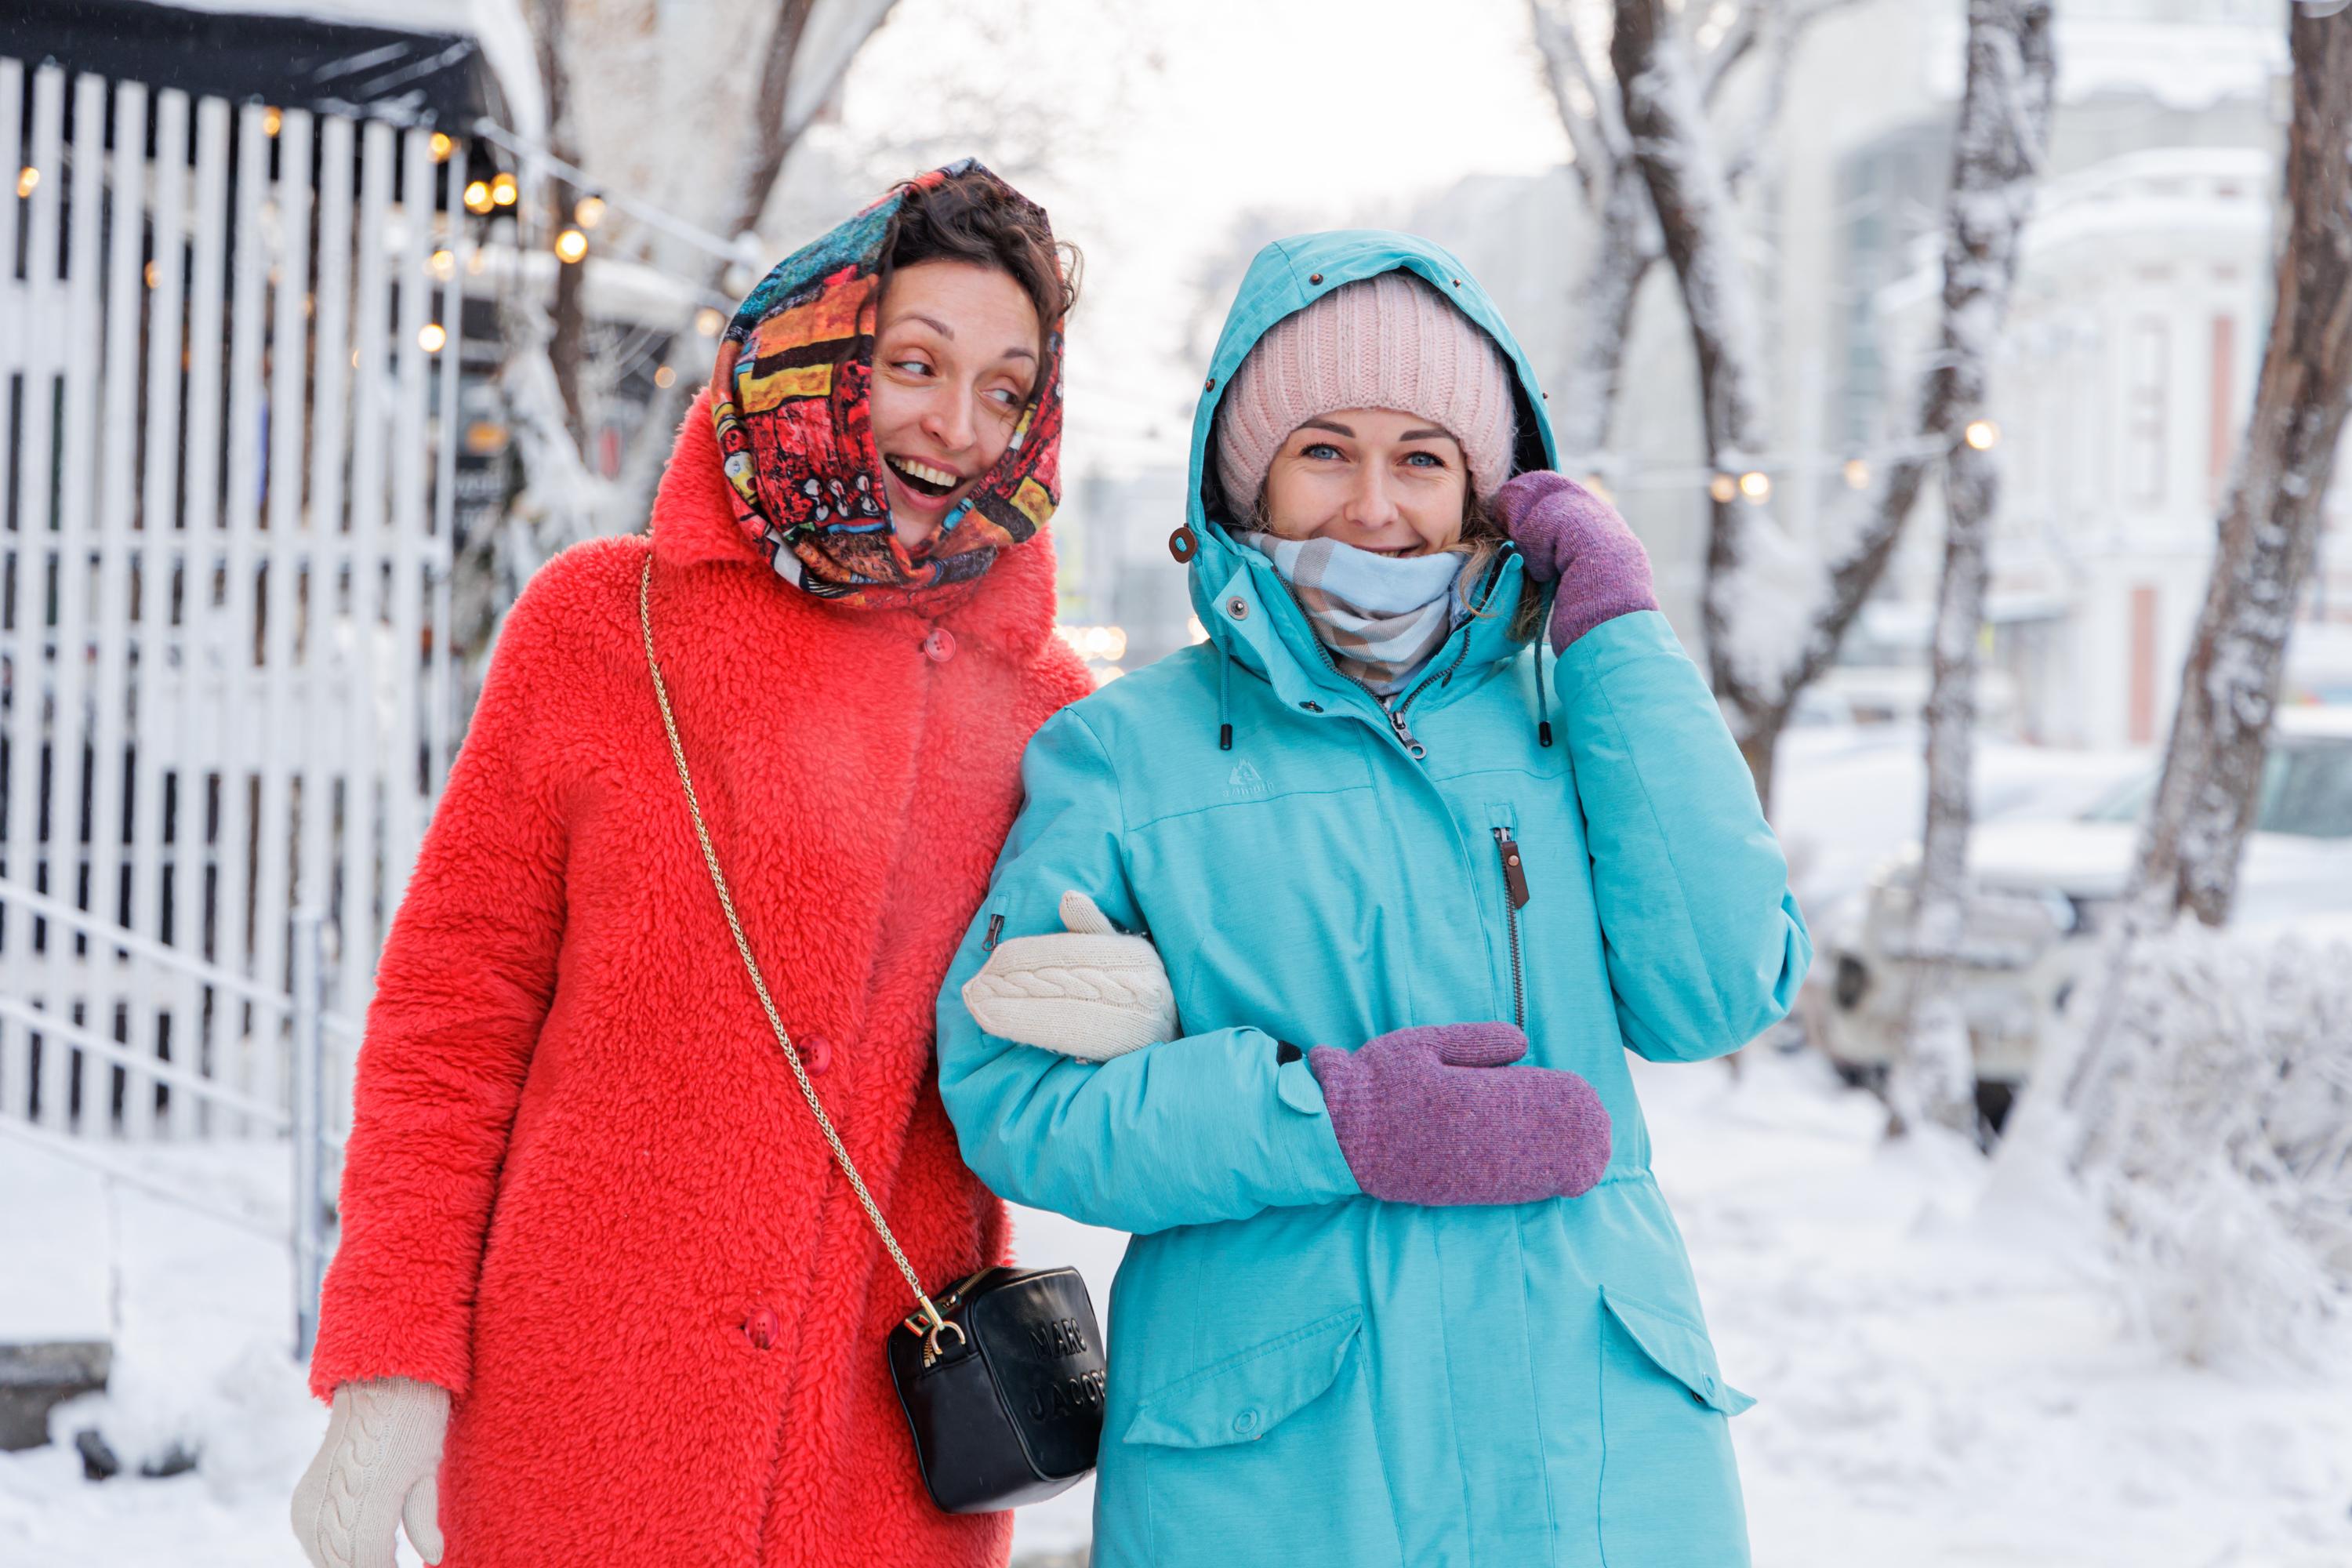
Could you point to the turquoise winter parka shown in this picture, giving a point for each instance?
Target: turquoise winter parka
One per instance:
(1300, 1375)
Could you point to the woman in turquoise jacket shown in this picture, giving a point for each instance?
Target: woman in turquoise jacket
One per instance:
(1339, 823)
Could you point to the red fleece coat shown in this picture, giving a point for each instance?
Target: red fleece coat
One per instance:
(581, 1186)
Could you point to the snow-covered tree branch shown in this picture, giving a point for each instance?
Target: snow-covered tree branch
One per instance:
(1628, 242)
(1775, 607)
(804, 52)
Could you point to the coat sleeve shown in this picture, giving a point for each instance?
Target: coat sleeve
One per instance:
(1209, 1127)
(1706, 947)
(462, 987)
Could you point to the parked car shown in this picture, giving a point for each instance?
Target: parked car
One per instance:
(2039, 887)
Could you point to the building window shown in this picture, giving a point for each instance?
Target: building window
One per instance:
(2224, 390)
(2141, 716)
(2147, 350)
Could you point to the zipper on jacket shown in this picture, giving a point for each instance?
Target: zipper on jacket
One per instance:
(1515, 889)
(1395, 707)
(1403, 731)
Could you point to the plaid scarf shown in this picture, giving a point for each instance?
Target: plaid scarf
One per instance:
(796, 437)
(1381, 617)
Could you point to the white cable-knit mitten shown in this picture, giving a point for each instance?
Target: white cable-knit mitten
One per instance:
(1092, 993)
(378, 1465)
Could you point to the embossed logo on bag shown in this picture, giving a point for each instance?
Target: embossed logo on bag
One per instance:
(1061, 1339)
(1065, 1397)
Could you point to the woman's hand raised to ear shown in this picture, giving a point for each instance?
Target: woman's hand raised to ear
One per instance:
(1570, 536)
(1439, 1116)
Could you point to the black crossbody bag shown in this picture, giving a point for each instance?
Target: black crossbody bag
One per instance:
(1002, 1376)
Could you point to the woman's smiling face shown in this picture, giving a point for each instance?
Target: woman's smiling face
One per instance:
(955, 359)
(1380, 480)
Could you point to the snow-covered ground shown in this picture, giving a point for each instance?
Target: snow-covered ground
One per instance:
(1940, 1385)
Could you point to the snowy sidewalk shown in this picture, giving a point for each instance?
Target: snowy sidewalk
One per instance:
(1937, 1389)
(1936, 1392)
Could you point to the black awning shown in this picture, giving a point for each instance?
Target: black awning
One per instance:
(290, 61)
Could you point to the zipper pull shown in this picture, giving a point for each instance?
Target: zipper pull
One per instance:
(1403, 731)
(1515, 874)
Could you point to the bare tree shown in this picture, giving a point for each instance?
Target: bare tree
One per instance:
(1997, 153)
(804, 54)
(1627, 243)
(2270, 526)
(567, 327)
(2195, 832)
(1775, 607)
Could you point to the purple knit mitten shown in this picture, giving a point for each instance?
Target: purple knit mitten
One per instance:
(1566, 532)
(1439, 1116)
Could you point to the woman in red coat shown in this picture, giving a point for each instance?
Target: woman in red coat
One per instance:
(590, 1227)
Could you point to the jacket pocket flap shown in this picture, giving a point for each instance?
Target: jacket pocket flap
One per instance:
(1680, 1350)
(1245, 1396)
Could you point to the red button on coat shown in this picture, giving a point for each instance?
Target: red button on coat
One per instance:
(763, 1328)
(939, 646)
(816, 1053)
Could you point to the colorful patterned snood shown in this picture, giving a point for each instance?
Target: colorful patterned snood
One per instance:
(789, 397)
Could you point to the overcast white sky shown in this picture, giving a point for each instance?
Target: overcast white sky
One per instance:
(1174, 118)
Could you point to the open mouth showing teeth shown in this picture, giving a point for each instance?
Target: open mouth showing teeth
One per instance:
(921, 478)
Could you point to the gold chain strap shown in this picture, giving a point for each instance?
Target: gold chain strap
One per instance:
(931, 1313)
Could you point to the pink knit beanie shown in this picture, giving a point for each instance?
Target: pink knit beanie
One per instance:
(1388, 342)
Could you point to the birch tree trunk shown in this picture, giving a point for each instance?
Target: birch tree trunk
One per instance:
(1997, 153)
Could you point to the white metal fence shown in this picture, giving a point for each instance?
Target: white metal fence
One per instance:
(225, 668)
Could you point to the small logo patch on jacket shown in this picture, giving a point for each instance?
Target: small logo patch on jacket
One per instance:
(1246, 784)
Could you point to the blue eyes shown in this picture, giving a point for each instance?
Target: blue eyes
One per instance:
(1323, 449)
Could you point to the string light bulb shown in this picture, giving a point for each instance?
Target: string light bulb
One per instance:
(502, 189)
(708, 321)
(478, 197)
(1755, 485)
(442, 146)
(589, 212)
(431, 337)
(28, 180)
(1981, 433)
(1857, 474)
(665, 378)
(1724, 488)
(444, 266)
(570, 246)
(271, 119)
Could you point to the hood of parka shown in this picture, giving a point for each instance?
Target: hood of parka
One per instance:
(1270, 629)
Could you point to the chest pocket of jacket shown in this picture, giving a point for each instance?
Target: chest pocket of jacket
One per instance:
(1669, 1491)
(1239, 1457)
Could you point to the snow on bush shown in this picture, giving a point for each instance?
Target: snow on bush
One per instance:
(2222, 1148)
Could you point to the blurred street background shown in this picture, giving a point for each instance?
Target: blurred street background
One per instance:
(1975, 373)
